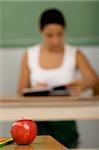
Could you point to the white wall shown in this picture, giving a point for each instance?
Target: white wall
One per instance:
(9, 70)
(9, 73)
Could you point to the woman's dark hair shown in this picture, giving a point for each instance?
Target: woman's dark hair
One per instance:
(52, 16)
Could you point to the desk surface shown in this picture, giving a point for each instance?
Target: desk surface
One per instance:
(48, 101)
(40, 143)
(49, 108)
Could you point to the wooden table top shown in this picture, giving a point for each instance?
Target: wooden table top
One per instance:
(48, 101)
(40, 143)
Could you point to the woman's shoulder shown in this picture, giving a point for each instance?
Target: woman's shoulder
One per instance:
(32, 53)
(71, 47)
(34, 47)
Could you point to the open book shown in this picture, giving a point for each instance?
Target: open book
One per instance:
(49, 91)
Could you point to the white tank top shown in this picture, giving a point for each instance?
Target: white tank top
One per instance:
(56, 76)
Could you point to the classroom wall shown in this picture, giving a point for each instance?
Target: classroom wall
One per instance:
(9, 71)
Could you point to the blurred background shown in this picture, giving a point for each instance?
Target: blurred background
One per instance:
(19, 29)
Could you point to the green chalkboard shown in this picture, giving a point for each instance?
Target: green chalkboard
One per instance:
(19, 21)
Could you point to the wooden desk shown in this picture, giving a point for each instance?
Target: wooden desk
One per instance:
(40, 143)
(49, 108)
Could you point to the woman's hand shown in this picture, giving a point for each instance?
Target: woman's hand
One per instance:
(40, 85)
(77, 87)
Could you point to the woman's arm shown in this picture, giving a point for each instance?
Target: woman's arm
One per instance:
(89, 76)
(96, 89)
(87, 71)
(24, 75)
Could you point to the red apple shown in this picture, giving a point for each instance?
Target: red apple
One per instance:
(24, 131)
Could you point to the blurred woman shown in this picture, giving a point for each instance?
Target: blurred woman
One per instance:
(54, 63)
